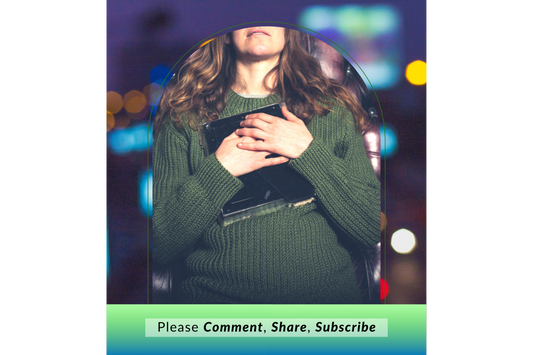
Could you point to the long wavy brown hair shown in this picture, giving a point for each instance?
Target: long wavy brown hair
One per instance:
(203, 82)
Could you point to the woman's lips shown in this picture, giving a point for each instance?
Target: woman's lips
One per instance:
(257, 32)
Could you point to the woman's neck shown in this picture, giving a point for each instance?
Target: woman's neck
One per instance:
(250, 77)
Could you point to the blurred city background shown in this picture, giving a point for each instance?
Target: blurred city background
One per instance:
(387, 41)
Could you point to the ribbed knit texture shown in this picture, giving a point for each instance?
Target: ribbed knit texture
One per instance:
(289, 256)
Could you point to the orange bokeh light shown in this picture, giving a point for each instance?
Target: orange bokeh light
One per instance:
(114, 102)
(134, 101)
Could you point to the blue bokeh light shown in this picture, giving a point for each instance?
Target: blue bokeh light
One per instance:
(159, 74)
(370, 34)
(145, 193)
(389, 141)
(133, 139)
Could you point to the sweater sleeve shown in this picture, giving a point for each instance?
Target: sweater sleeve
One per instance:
(345, 183)
(185, 203)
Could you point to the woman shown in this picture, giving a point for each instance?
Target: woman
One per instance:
(292, 255)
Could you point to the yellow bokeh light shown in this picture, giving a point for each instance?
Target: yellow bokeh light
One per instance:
(110, 121)
(134, 101)
(416, 72)
(114, 102)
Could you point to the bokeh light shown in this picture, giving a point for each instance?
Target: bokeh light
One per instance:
(403, 241)
(110, 121)
(318, 18)
(153, 93)
(384, 288)
(159, 74)
(145, 192)
(114, 102)
(351, 19)
(383, 19)
(134, 101)
(383, 222)
(370, 34)
(389, 141)
(405, 272)
(416, 72)
(133, 139)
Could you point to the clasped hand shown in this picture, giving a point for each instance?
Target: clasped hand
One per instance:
(245, 150)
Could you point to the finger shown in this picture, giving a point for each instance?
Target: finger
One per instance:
(289, 116)
(231, 136)
(261, 116)
(257, 146)
(246, 139)
(251, 132)
(275, 161)
(255, 122)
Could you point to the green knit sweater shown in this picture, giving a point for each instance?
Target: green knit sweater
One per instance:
(289, 256)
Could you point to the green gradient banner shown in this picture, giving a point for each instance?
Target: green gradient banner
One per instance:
(401, 329)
